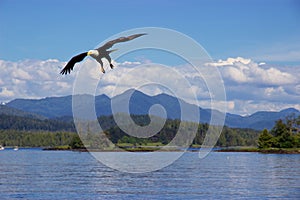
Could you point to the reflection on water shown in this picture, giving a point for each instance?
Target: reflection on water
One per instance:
(36, 174)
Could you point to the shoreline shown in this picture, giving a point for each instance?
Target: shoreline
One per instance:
(143, 149)
(263, 151)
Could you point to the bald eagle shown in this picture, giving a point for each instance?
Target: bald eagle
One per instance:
(98, 54)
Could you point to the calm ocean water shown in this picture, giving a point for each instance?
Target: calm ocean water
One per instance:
(36, 174)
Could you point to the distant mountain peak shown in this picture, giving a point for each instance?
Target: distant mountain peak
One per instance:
(289, 110)
(140, 104)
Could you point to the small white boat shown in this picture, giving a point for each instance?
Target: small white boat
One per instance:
(1, 148)
(16, 148)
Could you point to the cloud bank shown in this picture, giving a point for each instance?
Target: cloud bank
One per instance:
(32, 79)
(250, 86)
(258, 86)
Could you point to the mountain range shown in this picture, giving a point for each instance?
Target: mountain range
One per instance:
(139, 104)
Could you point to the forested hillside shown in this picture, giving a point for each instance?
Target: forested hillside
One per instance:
(10, 122)
(23, 131)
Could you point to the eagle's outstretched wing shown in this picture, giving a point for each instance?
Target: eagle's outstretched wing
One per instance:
(121, 39)
(101, 51)
(70, 65)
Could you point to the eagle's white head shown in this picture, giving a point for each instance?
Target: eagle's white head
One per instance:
(93, 53)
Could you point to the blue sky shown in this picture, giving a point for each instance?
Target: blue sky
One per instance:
(256, 29)
(255, 45)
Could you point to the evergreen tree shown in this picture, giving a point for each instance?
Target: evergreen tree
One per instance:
(76, 143)
(283, 134)
(279, 129)
(265, 139)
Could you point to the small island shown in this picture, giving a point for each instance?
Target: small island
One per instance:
(283, 138)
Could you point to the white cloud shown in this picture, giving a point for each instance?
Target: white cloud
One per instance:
(236, 75)
(250, 86)
(32, 79)
(21, 74)
(275, 76)
(259, 86)
(229, 61)
(6, 93)
(271, 91)
(242, 70)
(262, 63)
(250, 106)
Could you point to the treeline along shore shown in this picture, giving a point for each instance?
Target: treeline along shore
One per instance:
(61, 134)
